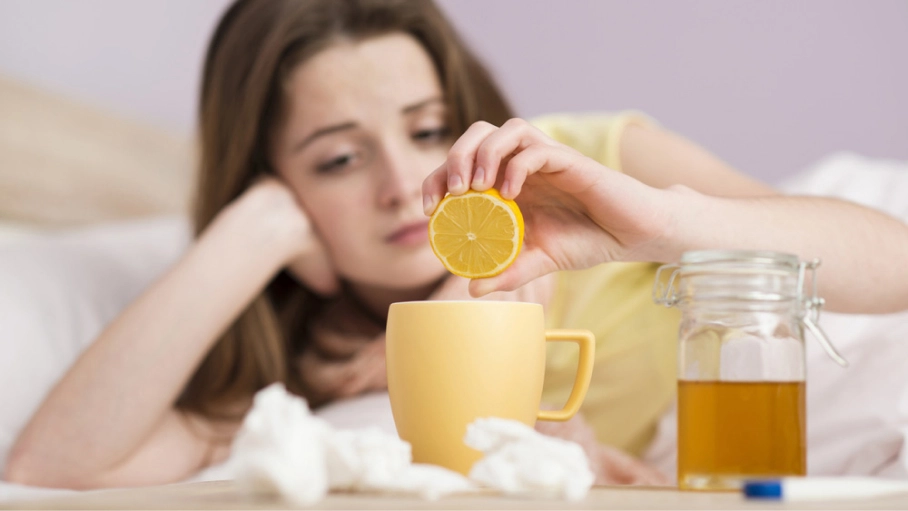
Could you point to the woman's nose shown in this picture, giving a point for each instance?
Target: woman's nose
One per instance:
(400, 180)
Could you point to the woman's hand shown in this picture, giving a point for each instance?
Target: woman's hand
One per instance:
(578, 213)
(346, 354)
(536, 291)
(270, 207)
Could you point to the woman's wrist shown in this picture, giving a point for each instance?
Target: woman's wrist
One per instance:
(686, 214)
(699, 221)
(267, 223)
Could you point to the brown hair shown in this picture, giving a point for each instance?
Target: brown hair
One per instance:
(255, 46)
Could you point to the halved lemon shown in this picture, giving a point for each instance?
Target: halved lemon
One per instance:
(477, 234)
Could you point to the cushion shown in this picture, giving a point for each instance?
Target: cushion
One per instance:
(63, 163)
(59, 290)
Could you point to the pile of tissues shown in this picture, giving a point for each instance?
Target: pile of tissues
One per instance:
(282, 448)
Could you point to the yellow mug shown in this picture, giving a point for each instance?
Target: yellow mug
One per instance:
(450, 363)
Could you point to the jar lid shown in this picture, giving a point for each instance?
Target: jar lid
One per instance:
(747, 263)
(746, 257)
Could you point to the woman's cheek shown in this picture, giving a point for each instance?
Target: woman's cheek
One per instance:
(347, 236)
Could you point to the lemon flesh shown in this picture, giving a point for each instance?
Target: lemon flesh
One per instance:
(476, 235)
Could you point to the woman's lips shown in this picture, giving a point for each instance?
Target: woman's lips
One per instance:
(410, 234)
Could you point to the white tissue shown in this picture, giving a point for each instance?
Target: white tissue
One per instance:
(520, 461)
(431, 482)
(372, 460)
(365, 459)
(282, 448)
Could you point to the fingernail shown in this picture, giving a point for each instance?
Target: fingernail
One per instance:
(428, 204)
(506, 189)
(454, 183)
(478, 176)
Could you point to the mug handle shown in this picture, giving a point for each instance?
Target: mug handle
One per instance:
(587, 343)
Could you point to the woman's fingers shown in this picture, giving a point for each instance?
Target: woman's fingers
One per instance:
(475, 161)
(452, 287)
(346, 354)
(333, 345)
(512, 138)
(342, 329)
(461, 160)
(434, 188)
(569, 170)
(610, 464)
(376, 373)
(456, 173)
(321, 377)
(369, 368)
(613, 466)
(326, 379)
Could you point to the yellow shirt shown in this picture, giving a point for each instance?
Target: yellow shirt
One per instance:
(634, 374)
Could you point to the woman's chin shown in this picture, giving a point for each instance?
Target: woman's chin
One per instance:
(410, 274)
(415, 279)
(415, 272)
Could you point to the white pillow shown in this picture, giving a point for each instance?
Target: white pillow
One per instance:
(874, 182)
(858, 417)
(11, 232)
(63, 163)
(58, 290)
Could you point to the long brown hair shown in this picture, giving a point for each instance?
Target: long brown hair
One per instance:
(255, 46)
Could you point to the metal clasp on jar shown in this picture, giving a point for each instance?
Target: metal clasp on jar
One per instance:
(667, 295)
(811, 310)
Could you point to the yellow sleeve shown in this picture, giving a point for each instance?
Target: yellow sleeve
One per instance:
(597, 135)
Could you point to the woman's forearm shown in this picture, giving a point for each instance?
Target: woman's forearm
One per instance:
(849, 239)
(117, 392)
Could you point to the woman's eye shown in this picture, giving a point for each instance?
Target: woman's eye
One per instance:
(431, 135)
(335, 163)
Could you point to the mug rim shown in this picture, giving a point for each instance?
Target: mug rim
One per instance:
(464, 301)
(484, 302)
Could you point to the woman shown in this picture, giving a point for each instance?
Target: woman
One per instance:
(320, 120)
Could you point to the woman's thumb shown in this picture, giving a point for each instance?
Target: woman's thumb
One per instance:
(529, 265)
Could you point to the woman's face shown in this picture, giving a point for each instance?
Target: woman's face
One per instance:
(367, 123)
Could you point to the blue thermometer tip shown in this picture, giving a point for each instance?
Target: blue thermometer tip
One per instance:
(769, 489)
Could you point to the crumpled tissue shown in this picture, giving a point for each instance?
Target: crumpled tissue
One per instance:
(521, 461)
(282, 448)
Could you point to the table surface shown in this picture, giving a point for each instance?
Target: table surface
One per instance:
(224, 495)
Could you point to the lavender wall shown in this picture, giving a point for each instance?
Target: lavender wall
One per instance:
(769, 85)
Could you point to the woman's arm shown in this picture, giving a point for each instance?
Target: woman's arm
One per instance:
(855, 235)
(113, 410)
(579, 214)
(661, 159)
(862, 250)
(178, 447)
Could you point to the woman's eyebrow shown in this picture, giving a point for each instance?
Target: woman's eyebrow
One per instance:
(327, 130)
(422, 104)
(321, 132)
